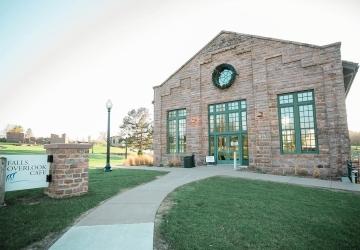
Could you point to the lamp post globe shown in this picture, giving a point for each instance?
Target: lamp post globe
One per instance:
(109, 104)
(107, 167)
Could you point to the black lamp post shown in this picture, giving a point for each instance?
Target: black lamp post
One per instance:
(107, 168)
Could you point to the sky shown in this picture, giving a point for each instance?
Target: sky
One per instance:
(60, 61)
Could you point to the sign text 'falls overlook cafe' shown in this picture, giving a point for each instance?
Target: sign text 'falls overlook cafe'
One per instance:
(62, 171)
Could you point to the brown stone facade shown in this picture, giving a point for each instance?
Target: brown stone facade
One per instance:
(266, 67)
(69, 169)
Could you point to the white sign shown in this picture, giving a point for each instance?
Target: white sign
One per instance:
(26, 171)
(210, 159)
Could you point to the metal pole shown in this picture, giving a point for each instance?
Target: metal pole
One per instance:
(108, 167)
(234, 160)
(2, 180)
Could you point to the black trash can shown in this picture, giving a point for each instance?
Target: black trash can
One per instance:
(189, 161)
(356, 176)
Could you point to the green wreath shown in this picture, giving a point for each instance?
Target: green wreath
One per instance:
(223, 76)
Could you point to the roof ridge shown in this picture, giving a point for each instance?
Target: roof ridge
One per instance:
(281, 40)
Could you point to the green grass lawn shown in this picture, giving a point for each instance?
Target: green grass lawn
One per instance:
(30, 215)
(11, 149)
(96, 159)
(99, 160)
(230, 213)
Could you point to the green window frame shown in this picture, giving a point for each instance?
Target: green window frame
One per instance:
(297, 123)
(176, 131)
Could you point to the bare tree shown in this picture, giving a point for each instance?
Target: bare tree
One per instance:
(101, 138)
(29, 133)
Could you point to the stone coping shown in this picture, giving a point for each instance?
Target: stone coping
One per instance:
(67, 146)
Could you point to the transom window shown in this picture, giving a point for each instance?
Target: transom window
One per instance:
(226, 117)
(297, 122)
(177, 131)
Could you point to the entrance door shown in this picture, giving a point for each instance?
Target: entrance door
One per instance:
(234, 148)
(228, 132)
(226, 146)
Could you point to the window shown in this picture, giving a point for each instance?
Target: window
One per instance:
(227, 117)
(297, 122)
(223, 76)
(234, 122)
(177, 131)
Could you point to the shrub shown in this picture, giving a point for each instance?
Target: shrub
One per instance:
(174, 162)
(316, 173)
(139, 160)
(301, 171)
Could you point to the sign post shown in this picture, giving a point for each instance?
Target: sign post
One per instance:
(2, 180)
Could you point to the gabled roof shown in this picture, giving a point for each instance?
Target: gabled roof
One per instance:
(250, 36)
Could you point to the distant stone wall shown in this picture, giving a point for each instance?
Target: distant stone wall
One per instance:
(69, 169)
(266, 68)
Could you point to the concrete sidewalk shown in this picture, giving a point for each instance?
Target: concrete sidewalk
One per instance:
(126, 221)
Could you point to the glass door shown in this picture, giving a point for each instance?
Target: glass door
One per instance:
(222, 148)
(234, 148)
(228, 132)
(226, 146)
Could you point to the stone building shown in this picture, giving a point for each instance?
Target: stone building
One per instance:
(16, 137)
(280, 105)
(116, 141)
(54, 138)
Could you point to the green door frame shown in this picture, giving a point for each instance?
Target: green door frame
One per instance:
(238, 107)
(228, 145)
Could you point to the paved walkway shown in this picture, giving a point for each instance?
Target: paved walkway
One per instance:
(126, 221)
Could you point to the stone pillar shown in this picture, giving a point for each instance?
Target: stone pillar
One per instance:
(69, 169)
(2, 180)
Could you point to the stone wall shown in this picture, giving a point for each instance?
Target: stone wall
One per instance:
(266, 67)
(69, 169)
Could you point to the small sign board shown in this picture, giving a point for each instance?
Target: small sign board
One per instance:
(25, 172)
(210, 159)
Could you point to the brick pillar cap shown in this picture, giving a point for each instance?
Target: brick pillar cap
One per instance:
(67, 146)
